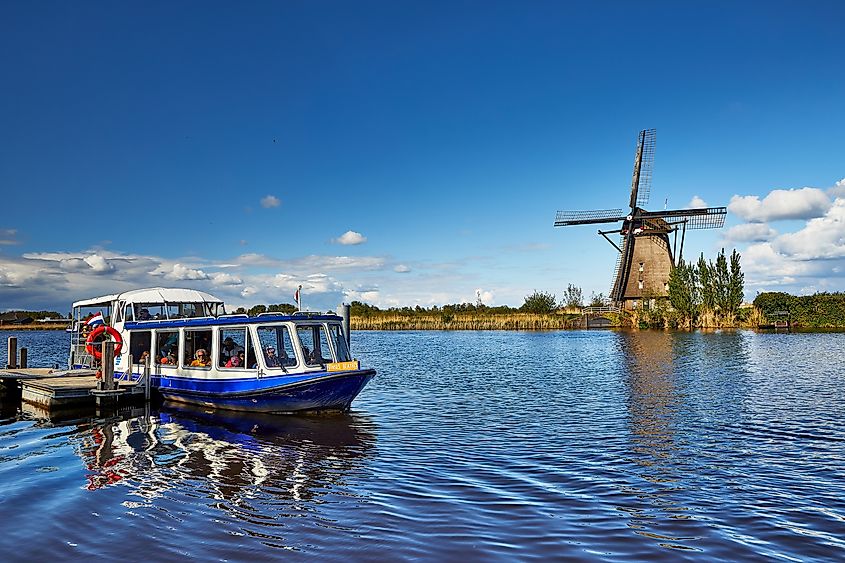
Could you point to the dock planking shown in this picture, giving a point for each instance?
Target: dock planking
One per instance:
(58, 388)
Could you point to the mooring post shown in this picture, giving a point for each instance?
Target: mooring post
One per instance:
(147, 378)
(108, 365)
(22, 363)
(12, 356)
(343, 311)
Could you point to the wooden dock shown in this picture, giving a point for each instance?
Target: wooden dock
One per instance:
(51, 388)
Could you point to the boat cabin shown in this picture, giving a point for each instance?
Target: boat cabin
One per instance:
(188, 333)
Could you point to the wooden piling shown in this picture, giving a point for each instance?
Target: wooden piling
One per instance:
(22, 364)
(108, 365)
(147, 378)
(12, 356)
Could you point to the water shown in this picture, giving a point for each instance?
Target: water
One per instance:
(586, 445)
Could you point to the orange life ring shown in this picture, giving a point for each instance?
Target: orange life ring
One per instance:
(95, 350)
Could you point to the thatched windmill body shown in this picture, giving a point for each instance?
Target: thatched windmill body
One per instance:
(646, 253)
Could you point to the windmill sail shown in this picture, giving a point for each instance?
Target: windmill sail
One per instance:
(698, 218)
(565, 218)
(643, 167)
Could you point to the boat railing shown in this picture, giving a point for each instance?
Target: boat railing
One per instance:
(309, 314)
(234, 316)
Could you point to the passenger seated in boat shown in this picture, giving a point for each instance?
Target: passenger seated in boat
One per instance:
(236, 361)
(171, 358)
(312, 356)
(201, 359)
(270, 357)
(144, 357)
(144, 315)
(229, 350)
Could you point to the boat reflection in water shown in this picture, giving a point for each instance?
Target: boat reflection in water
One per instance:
(225, 455)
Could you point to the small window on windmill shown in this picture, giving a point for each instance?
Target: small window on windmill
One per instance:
(642, 267)
(666, 286)
(640, 284)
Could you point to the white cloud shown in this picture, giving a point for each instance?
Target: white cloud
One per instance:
(696, 202)
(823, 237)
(485, 296)
(248, 291)
(351, 237)
(371, 295)
(225, 278)
(401, 268)
(99, 264)
(180, 272)
(838, 190)
(269, 201)
(803, 203)
(750, 232)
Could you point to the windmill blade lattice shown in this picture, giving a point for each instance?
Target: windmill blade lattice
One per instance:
(564, 218)
(643, 167)
(701, 218)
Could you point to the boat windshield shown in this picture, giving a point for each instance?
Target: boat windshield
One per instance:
(315, 344)
(339, 341)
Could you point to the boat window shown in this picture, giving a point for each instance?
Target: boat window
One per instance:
(139, 344)
(235, 349)
(167, 347)
(128, 313)
(190, 310)
(277, 339)
(213, 309)
(315, 344)
(149, 311)
(339, 340)
(198, 348)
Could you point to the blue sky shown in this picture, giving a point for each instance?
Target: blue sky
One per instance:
(405, 153)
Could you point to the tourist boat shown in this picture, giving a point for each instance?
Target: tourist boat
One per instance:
(196, 353)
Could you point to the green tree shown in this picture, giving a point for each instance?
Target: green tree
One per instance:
(538, 302)
(705, 284)
(597, 299)
(257, 309)
(721, 283)
(684, 291)
(573, 296)
(736, 284)
(284, 308)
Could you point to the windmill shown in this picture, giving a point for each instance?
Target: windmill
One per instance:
(646, 255)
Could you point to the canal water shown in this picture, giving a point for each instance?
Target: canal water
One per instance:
(582, 445)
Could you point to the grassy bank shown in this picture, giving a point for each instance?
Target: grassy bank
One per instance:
(464, 321)
(34, 326)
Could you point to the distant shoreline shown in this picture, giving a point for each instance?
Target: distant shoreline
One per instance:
(34, 326)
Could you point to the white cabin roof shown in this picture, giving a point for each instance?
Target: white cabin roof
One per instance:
(151, 295)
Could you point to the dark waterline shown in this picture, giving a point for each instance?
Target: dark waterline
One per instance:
(485, 445)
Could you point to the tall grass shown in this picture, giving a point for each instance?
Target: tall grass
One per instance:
(465, 321)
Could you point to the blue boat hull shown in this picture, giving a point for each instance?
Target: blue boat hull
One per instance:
(322, 391)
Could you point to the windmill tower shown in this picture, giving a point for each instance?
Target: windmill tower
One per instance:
(646, 253)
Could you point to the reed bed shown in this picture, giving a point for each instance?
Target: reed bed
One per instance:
(515, 321)
(35, 326)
